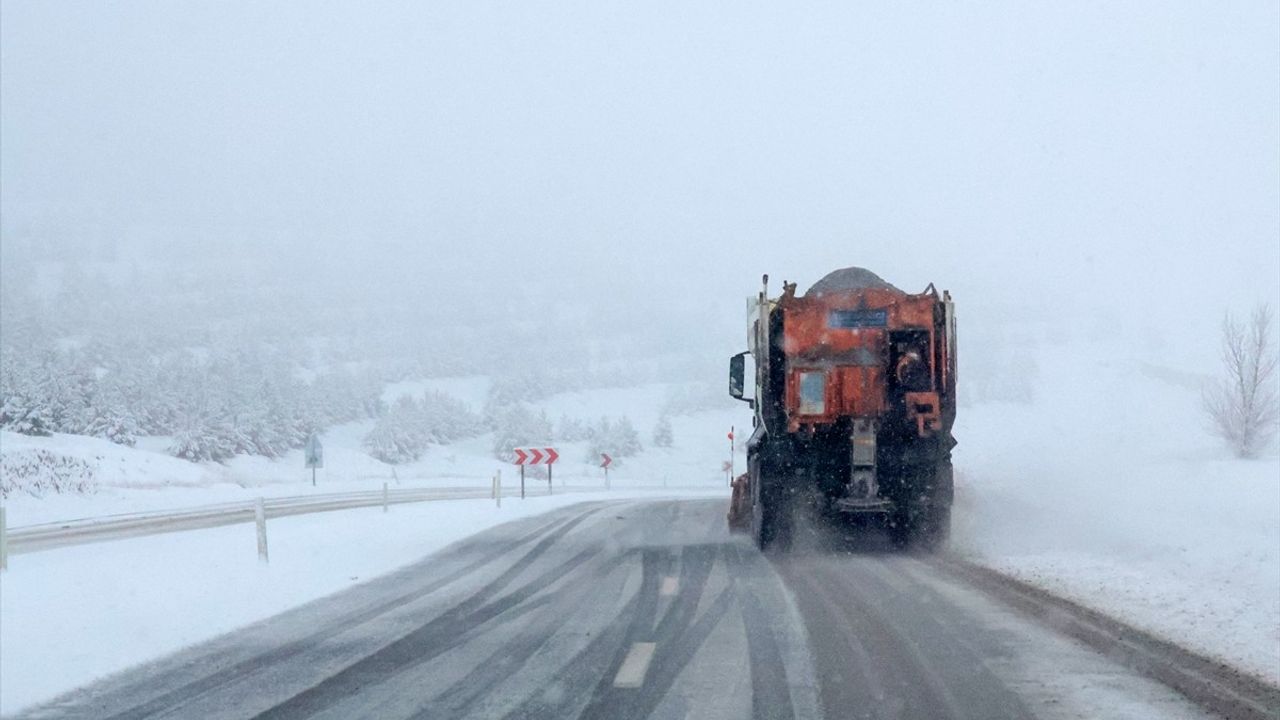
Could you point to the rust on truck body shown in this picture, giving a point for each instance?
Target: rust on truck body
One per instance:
(855, 359)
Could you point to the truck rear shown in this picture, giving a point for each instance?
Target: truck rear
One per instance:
(854, 404)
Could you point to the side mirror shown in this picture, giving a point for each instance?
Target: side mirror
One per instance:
(737, 377)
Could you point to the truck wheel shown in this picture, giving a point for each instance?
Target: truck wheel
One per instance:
(925, 522)
(770, 514)
(932, 527)
(931, 518)
(900, 529)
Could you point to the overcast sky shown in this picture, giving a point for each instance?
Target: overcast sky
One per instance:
(1096, 153)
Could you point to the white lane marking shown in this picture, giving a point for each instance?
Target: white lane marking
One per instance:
(634, 667)
(670, 585)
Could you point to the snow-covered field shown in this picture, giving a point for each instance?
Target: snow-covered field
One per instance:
(1107, 489)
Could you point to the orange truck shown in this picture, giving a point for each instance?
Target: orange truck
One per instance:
(854, 401)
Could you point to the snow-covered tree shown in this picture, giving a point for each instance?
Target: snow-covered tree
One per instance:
(109, 417)
(504, 393)
(19, 410)
(22, 414)
(518, 426)
(201, 437)
(1243, 404)
(663, 435)
(617, 438)
(626, 439)
(399, 435)
(571, 429)
(405, 431)
(447, 419)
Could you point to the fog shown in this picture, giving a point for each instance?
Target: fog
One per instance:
(1117, 161)
(434, 235)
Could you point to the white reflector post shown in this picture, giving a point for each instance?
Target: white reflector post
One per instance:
(260, 519)
(4, 541)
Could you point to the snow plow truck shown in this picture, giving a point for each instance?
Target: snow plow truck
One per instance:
(854, 401)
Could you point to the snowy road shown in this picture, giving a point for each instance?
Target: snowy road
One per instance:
(633, 609)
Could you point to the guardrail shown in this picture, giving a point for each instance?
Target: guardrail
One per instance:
(50, 535)
(45, 536)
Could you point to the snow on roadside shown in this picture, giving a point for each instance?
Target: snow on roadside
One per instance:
(1107, 490)
(113, 464)
(73, 615)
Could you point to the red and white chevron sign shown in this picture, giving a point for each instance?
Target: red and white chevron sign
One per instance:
(536, 456)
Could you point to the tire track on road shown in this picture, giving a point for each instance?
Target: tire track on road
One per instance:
(190, 692)
(840, 625)
(577, 676)
(909, 664)
(671, 638)
(435, 637)
(770, 688)
(509, 659)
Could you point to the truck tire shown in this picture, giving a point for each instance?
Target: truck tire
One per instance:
(932, 527)
(930, 516)
(770, 510)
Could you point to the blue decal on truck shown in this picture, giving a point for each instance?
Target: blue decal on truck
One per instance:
(858, 318)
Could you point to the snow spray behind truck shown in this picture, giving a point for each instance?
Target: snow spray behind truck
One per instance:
(855, 398)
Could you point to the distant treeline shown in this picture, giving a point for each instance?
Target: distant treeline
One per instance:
(213, 405)
(242, 360)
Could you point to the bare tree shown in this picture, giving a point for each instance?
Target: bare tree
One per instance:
(1243, 405)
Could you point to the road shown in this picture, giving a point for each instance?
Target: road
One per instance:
(640, 610)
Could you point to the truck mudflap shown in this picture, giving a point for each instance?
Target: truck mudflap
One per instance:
(740, 505)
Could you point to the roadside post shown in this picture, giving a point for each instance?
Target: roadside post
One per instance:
(605, 463)
(497, 487)
(4, 541)
(520, 458)
(314, 455)
(260, 519)
(731, 449)
(384, 497)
